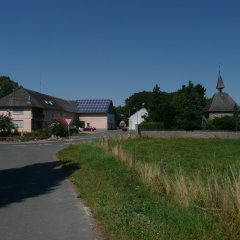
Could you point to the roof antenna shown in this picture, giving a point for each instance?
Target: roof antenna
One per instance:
(29, 100)
(40, 82)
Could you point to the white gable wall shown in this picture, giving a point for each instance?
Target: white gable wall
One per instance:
(137, 118)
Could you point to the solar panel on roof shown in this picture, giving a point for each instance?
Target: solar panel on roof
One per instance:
(92, 105)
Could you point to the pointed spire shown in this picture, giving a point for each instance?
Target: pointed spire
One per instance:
(220, 83)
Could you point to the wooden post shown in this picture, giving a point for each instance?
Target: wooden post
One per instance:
(118, 148)
(161, 167)
(108, 148)
(212, 190)
(133, 157)
(139, 132)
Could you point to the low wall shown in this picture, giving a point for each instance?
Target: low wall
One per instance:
(190, 134)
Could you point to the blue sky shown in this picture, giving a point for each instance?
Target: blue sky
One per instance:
(82, 49)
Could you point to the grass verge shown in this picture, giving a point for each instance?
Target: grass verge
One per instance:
(188, 173)
(124, 206)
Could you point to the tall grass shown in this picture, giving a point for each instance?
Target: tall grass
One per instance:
(207, 184)
(126, 208)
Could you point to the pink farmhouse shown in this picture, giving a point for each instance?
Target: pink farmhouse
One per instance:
(32, 110)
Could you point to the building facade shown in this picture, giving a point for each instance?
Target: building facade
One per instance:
(98, 113)
(32, 110)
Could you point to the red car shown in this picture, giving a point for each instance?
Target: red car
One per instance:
(89, 129)
(125, 128)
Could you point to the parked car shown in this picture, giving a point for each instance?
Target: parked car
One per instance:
(123, 126)
(80, 129)
(89, 128)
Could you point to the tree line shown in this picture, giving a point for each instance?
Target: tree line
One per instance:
(180, 110)
(177, 110)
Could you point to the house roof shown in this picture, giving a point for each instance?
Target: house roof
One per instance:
(221, 102)
(93, 105)
(27, 98)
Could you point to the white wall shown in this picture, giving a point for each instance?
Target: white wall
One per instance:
(219, 115)
(137, 118)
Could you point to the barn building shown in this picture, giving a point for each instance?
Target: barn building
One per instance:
(98, 113)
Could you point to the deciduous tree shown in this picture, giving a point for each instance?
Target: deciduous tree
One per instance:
(189, 103)
(6, 125)
(7, 86)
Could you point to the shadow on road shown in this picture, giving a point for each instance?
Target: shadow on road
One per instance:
(29, 181)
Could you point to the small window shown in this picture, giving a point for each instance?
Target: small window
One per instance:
(17, 111)
(18, 123)
(48, 102)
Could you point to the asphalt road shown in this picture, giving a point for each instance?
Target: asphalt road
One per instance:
(36, 200)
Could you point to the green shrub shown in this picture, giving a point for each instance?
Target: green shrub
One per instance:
(151, 126)
(78, 123)
(41, 133)
(222, 123)
(57, 128)
(6, 125)
(73, 129)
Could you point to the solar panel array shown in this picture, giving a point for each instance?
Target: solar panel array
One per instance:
(92, 105)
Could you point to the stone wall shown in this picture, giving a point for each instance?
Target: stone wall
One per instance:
(190, 134)
(219, 115)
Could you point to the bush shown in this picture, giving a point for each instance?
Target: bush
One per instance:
(151, 126)
(222, 123)
(41, 133)
(6, 125)
(57, 128)
(78, 123)
(73, 129)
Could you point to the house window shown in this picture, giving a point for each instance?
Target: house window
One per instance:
(18, 123)
(48, 102)
(17, 111)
